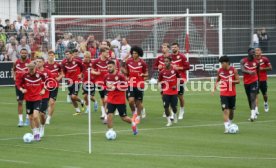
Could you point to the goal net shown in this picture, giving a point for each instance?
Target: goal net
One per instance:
(199, 35)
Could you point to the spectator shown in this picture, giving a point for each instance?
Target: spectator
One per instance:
(19, 23)
(66, 39)
(125, 50)
(38, 52)
(263, 41)
(27, 28)
(43, 31)
(60, 49)
(3, 35)
(116, 45)
(72, 42)
(35, 28)
(2, 50)
(1, 23)
(22, 32)
(256, 39)
(81, 46)
(7, 27)
(34, 47)
(11, 31)
(23, 44)
(11, 50)
(44, 53)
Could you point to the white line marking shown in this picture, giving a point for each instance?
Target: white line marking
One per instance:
(192, 156)
(70, 167)
(145, 129)
(14, 161)
(158, 155)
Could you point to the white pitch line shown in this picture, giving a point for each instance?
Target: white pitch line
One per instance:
(192, 156)
(13, 161)
(144, 129)
(159, 155)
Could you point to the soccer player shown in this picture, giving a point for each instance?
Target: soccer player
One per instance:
(249, 67)
(72, 68)
(31, 84)
(181, 64)
(18, 70)
(227, 78)
(87, 63)
(99, 69)
(168, 79)
(76, 54)
(45, 97)
(55, 69)
(159, 62)
(160, 65)
(116, 86)
(264, 67)
(136, 71)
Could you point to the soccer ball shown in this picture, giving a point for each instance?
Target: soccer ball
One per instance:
(233, 129)
(110, 135)
(28, 138)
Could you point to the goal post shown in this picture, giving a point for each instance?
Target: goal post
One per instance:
(149, 32)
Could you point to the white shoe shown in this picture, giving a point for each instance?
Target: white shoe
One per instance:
(266, 107)
(181, 115)
(226, 131)
(169, 124)
(116, 112)
(164, 115)
(175, 118)
(144, 113)
(257, 112)
(47, 121)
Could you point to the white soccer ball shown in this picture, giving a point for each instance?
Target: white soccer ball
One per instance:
(233, 129)
(110, 135)
(28, 138)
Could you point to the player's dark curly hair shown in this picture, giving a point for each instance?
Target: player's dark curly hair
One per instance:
(224, 58)
(137, 49)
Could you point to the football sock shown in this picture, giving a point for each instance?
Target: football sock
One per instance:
(20, 116)
(226, 124)
(103, 110)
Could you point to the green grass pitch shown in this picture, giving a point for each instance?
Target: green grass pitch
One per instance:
(195, 142)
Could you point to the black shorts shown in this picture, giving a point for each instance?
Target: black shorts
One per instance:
(53, 94)
(85, 89)
(44, 105)
(263, 87)
(181, 89)
(251, 88)
(102, 92)
(32, 105)
(170, 100)
(74, 89)
(19, 94)
(120, 107)
(135, 92)
(228, 102)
